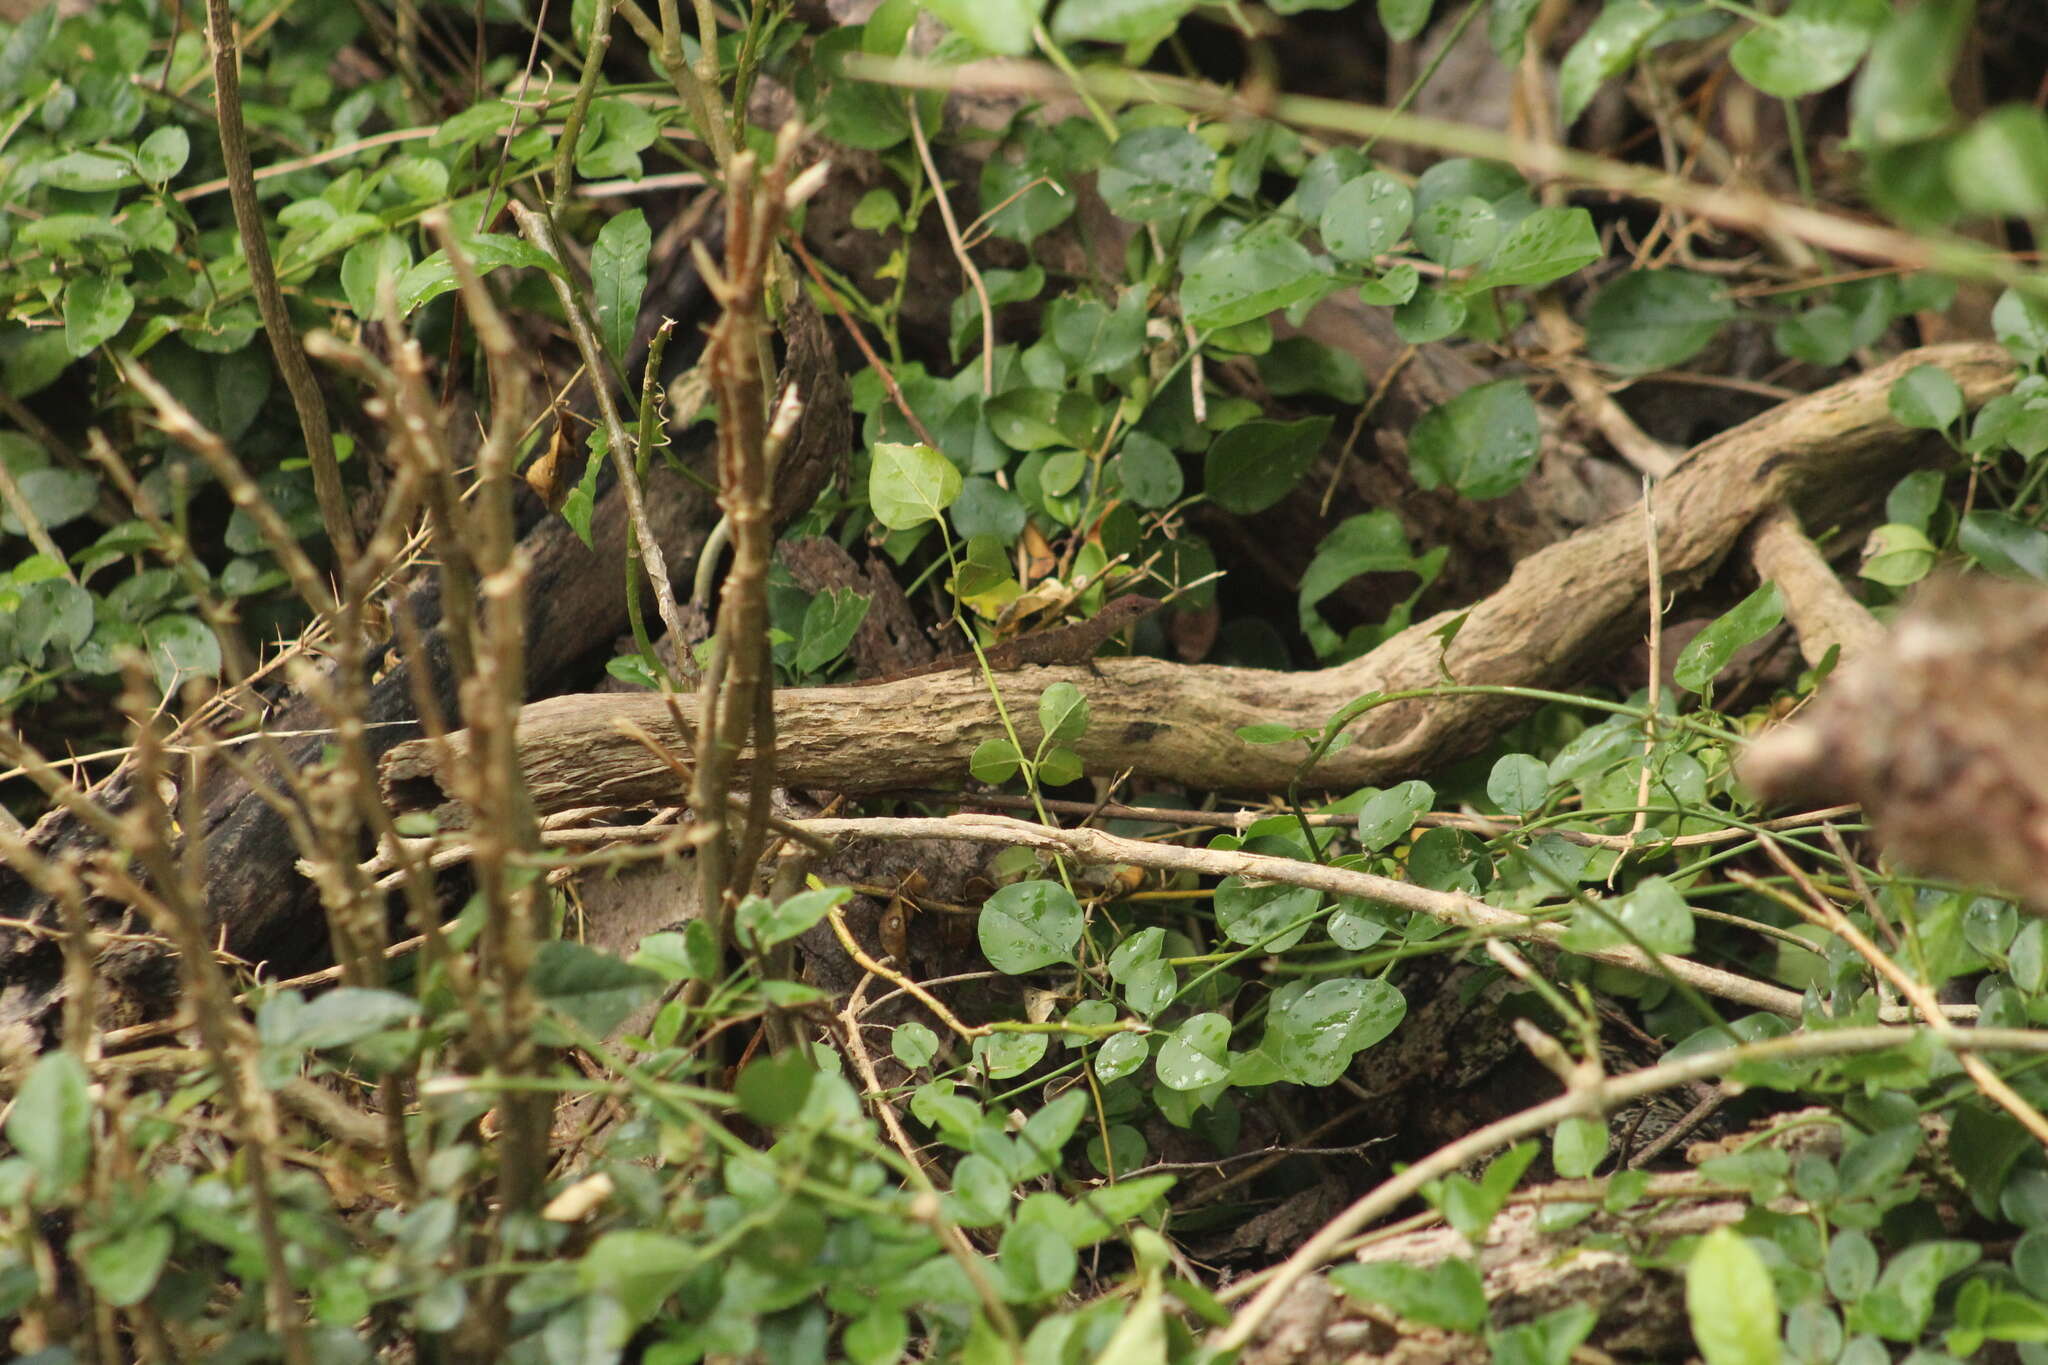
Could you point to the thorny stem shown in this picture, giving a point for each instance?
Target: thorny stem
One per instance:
(277, 322)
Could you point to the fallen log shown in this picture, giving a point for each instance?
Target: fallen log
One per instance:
(1828, 456)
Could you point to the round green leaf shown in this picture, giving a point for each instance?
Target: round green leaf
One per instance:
(1008, 1055)
(164, 153)
(1196, 1054)
(1518, 783)
(125, 1266)
(1314, 1031)
(1809, 47)
(1120, 1055)
(51, 1122)
(1118, 21)
(86, 172)
(1253, 466)
(1029, 925)
(1149, 471)
(1458, 231)
(1579, 1147)
(1428, 315)
(994, 760)
(913, 1044)
(96, 306)
(1545, 245)
(1926, 397)
(369, 261)
(1259, 914)
(910, 485)
(1654, 319)
(1156, 173)
(999, 26)
(1246, 279)
(1731, 1302)
(1366, 216)
(1483, 443)
(1607, 48)
(181, 647)
(1999, 166)
(57, 497)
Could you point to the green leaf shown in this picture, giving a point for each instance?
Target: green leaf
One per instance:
(1552, 1339)
(1579, 1146)
(1457, 231)
(344, 1015)
(1518, 784)
(1430, 314)
(434, 276)
(181, 648)
(1507, 25)
(762, 923)
(1270, 915)
(1607, 48)
(1314, 1031)
(1708, 652)
(1117, 21)
(638, 1270)
(1999, 166)
(1300, 364)
(1096, 338)
(2020, 322)
(1483, 443)
(1195, 1054)
(1387, 816)
(1149, 471)
(594, 989)
(58, 497)
(1655, 319)
(999, 26)
(910, 485)
(164, 153)
(1120, 1055)
(1046, 1133)
(2005, 545)
(1809, 47)
(124, 1267)
(96, 307)
(86, 173)
(1063, 713)
(1927, 398)
(386, 256)
(1028, 925)
(1156, 173)
(1546, 245)
(877, 1337)
(913, 1044)
(1255, 275)
(1366, 216)
(51, 1122)
(618, 279)
(772, 1090)
(1404, 18)
(1447, 1295)
(1253, 466)
(830, 622)
(1902, 94)
(1006, 1055)
(24, 44)
(994, 761)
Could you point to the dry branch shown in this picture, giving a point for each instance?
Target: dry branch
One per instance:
(1826, 455)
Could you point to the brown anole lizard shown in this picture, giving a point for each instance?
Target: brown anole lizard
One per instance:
(1070, 645)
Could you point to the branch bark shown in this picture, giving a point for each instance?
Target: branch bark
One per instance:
(1565, 608)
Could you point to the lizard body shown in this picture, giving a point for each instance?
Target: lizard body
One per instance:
(1069, 645)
